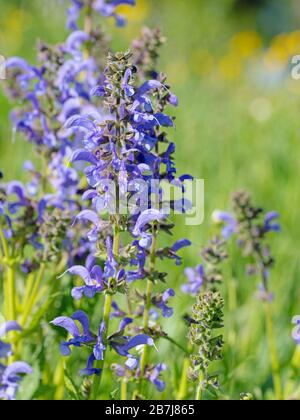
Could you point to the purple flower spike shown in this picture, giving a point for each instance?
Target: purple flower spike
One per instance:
(71, 327)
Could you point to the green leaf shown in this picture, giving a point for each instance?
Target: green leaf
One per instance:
(72, 390)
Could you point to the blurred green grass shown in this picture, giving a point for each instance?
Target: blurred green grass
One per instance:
(218, 138)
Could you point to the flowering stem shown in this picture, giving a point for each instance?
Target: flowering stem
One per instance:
(273, 351)
(148, 303)
(106, 319)
(199, 390)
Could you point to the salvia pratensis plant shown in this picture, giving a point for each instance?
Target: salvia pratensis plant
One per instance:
(127, 147)
(251, 227)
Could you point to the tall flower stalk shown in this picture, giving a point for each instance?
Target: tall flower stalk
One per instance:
(252, 227)
(205, 344)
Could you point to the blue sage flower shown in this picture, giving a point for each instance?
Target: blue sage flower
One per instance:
(10, 378)
(195, 278)
(5, 349)
(153, 376)
(230, 224)
(79, 338)
(161, 302)
(270, 222)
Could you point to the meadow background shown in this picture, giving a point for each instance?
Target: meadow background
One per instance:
(237, 126)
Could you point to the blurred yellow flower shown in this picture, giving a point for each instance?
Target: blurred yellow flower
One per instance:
(246, 43)
(230, 67)
(201, 62)
(13, 27)
(137, 13)
(293, 43)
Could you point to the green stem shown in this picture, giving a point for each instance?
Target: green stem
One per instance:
(273, 352)
(296, 359)
(106, 318)
(29, 305)
(4, 244)
(199, 391)
(11, 294)
(9, 282)
(124, 389)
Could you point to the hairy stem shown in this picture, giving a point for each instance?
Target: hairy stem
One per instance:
(199, 391)
(106, 319)
(148, 304)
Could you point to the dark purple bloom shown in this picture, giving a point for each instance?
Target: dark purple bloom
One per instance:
(154, 376)
(195, 280)
(161, 302)
(93, 279)
(90, 370)
(270, 222)
(147, 217)
(79, 337)
(123, 345)
(178, 246)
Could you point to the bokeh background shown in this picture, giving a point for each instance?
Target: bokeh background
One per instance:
(237, 126)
